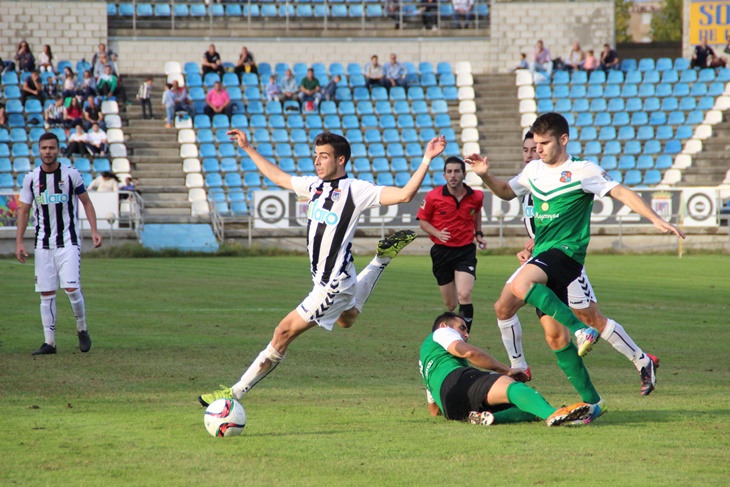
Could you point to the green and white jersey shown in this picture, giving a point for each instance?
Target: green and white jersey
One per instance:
(563, 201)
(436, 362)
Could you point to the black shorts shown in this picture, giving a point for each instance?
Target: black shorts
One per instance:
(465, 390)
(561, 270)
(447, 260)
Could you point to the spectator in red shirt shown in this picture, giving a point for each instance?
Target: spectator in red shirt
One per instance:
(218, 101)
(452, 215)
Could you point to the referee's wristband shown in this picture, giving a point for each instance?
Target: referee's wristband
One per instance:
(478, 233)
(426, 161)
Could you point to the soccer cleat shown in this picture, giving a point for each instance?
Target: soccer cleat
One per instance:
(84, 341)
(45, 349)
(390, 246)
(223, 393)
(648, 375)
(598, 409)
(484, 418)
(578, 411)
(586, 338)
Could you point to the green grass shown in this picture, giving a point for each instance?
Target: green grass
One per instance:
(348, 407)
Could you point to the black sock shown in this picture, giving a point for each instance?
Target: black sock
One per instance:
(467, 311)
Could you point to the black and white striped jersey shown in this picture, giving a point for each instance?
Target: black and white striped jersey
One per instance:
(54, 197)
(528, 215)
(332, 216)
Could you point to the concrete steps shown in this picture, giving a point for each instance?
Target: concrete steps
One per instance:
(710, 166)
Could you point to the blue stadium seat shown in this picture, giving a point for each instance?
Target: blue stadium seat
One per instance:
(680, 90)
(574, 147)
(615, 77)
(608, 163)
(683, 132)
(350, 122)
(632, 147)
(651, 104)
(645, 133)
(673, 147)
(646, 90)
(579, 78)
(592, 148)
(670, 104)
(221, 121)
(612, 148)
(205, 136)
(723, 75)
(580, 105)
(695, 117)
(210, 164)
(584, 119)
(376, 150)
(632, 177)
(644, 162)
(626, 162)
(716, 89)
(588, 133)
(680, 64)
(577, 91)
(387, 122)
(12, 91)
(544, 106)
(602, 119)
(543, 91)
(698, 89)
(563, 105)
(18, 135)
(279, 135)
(646, 64)
(345, 108)
(639, 118)
(607, 133)
(598, 105)
(663, 162)
(658, 118)
(394, 150)
(359, 150)
(447, 79)
(415, 93)
(21, 165)
(706, 75)
(652, 177)
(451, 93)
(664, 132)
(559, 78)
(627, 132)
(6, 166)
(652, 147)
(369, 121)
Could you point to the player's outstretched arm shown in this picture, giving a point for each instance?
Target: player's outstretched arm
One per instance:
(267, 168)
(22, 223)
(477, 357)
(480, 166)
(634, 201)
(392, 195)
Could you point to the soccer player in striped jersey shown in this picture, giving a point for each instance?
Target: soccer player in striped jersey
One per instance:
(563, 188)
(335, 205)
(582, 301)
(54, 191)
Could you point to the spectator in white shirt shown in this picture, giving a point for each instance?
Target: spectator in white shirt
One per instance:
(96, 141)
(106, 181)
(45, 59)
(463, 12)
(374, 75)
(55, 114)
(77, 142)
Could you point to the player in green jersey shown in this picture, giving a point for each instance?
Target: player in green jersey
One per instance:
(462, 392)
(563, 189)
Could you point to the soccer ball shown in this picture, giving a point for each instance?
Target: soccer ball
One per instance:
(224, 417)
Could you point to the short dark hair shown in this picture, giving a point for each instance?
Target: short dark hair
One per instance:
(551, 123)
(448, 317)
(339, 144)
(455, 160)
(528, 135)
(48, 136)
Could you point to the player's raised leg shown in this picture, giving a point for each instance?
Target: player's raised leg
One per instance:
(510, 327)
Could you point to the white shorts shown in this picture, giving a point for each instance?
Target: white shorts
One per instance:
(325, 305)
(56, 268)
(580, 291)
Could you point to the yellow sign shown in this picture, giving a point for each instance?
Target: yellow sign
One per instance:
(709, 20)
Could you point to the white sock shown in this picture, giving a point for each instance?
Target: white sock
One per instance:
(267, 361)
(78, 307)
(511, 331)
(48, 318)
(368, 278)
(615, 334)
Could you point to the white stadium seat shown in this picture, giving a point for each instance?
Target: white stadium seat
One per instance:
(117, 150)
(194, 180)
(200, 208)
(693, 146)
(470, 135)
(197, 194)
(462, 67)
(183, 123)
(468, 120)
(672, 176)
(523, 78)
(465, 79)
(471, 148)
(472, 179)
(722, 103)
(176, 77)
(109, 106)
(713, 117)
(188, 150)
(121, 164)
(172, 67)
(113, 121)
(115, 136)
(703, 132)
(526, 93)
(466, 93)
(528, 106)
(528, 119)
(467, 106)
(191, 164)
(682, 161)
(186, 136)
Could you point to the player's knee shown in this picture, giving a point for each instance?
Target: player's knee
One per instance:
(70, 290)
(348, 318)
(465, 297)
(504, 310)
(520, 289)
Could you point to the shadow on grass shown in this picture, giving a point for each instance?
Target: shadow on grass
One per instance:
(644, 416)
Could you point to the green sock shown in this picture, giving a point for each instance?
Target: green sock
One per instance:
(541, 297)
(577, 374)
(529, 400)
(513, 415)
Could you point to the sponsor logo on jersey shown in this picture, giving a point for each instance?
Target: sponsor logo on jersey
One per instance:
(318, 214)
(545, 207)
(336, 194)
(528, 210)
(566, 176)
(548, 216)
(46, 198)
(605, 176)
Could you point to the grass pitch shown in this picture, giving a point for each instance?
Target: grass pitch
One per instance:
(348, 407)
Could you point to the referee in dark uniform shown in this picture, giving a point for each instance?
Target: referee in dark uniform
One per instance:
(452, 215)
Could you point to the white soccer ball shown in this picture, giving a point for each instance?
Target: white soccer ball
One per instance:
(224, 417)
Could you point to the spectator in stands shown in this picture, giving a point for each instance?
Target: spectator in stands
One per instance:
(129, 184)
(92, 114)
(212, 61)
(428, 14)
(245, 64)
(310, 90)
(55, 115)
(99, 67)
(46, 59)
(96, 141)
(393, 10)
(86, 86)
(69, 82)
(395, 73)
(373, 72)
(541, 60)
(3, 115)
(168, 101)
(24, 57)
(76, 142)
(108, 83)
(106, 181)
(6, 66)
(576, 58)
(144, 95)
(50, 89)
(273, 91)
(462, 12)
(591, 62)
(74, 114)
(101, 49)
(32, 88)
(289, 86)
(218, 101)
(182, 100)
(704, 57)
(330, 90)
(522, 64)
(609, 59)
